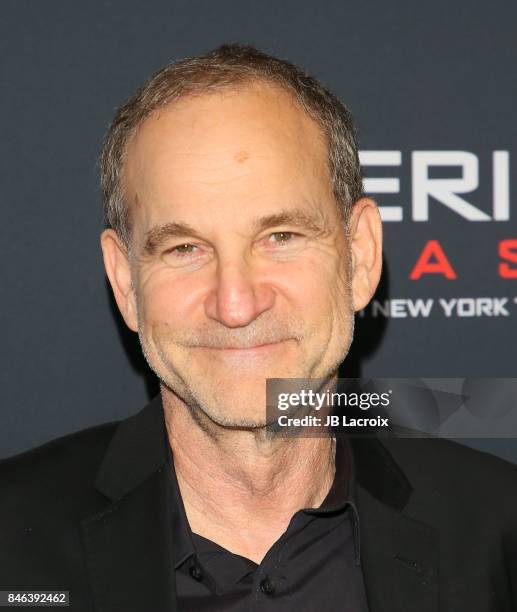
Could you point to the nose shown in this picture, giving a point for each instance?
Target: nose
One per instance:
(238, 296)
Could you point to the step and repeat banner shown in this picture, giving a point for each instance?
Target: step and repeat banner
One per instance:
(432, 88)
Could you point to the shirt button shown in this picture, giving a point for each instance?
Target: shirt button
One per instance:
(196, 573)
(267, 586)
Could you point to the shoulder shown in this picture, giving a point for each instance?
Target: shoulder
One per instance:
(57, 473)
(63, 454)
(440, 468)
(442, 455)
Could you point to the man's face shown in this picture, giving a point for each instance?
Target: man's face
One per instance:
(236, 242)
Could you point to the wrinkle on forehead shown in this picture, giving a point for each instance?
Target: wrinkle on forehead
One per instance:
(186, 151)
(273, 114)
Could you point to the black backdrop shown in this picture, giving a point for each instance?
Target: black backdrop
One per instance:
(432, 86)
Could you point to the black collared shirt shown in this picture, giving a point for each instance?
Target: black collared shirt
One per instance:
(314, 565)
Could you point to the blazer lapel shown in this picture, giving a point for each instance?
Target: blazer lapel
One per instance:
(399, 553)
(128, 543)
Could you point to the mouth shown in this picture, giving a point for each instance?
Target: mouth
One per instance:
(256, 347)
(241, 352)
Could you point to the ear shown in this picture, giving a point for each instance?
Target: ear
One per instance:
(365, 232)
(118, 270)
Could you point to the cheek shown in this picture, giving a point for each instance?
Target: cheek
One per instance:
(161, 303)
(320, 288)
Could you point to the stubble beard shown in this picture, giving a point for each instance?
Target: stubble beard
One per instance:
(201, 411)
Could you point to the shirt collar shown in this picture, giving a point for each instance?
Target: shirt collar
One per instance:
(343, 492)
(183, 546)
(341, 495)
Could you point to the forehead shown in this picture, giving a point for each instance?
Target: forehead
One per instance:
(250, 142)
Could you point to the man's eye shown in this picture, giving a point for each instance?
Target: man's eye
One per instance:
(283, 237)
(182, 249)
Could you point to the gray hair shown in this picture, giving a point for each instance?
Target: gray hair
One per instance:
(224, 68)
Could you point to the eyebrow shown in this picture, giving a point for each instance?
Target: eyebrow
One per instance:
(158, 235)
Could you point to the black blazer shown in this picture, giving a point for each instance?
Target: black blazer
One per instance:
(87, 513)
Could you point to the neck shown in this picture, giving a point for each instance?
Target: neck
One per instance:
(241, 488)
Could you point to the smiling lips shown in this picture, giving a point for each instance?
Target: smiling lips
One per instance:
(257, 350)
(245, 348)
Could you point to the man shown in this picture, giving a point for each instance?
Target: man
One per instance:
(239, 245)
